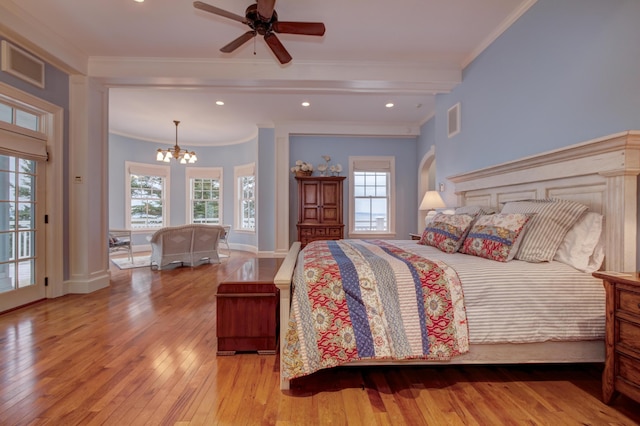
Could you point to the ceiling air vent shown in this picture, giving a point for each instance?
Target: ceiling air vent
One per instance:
(22, 64)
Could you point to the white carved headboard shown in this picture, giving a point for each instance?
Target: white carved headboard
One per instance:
(601, 173)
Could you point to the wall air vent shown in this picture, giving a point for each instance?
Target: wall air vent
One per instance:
(22, 64)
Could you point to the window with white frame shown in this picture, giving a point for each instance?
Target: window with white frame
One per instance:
(372, 207)
(204, 186)
(147, 195)
(19, 116)
(245, 177)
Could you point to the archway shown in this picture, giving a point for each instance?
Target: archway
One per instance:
(426, 181)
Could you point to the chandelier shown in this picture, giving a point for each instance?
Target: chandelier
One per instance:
(181, 155)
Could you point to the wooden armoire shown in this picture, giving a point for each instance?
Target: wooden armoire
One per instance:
(320, 208)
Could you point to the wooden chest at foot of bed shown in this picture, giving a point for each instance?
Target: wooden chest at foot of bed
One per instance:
(247, 309)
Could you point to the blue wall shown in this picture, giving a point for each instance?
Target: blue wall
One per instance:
(123, 149)
(565, 72)
(312, 148)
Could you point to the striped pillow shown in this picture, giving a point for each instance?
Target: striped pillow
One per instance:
(475, 210)
(551, 221)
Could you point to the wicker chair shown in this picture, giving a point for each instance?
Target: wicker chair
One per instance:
(120, 240)
(224, 238)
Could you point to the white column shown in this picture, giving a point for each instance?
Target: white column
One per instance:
(88, 195)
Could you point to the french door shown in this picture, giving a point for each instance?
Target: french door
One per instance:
(22, 237)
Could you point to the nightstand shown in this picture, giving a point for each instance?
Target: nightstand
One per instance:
(622, 341)
(415, 236)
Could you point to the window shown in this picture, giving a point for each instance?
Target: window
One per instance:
(148, 192)
(371, 196)
(22, 131)
(204, 186)
(245, 197)
(20, 117)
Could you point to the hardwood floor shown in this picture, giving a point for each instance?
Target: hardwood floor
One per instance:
(143, 351)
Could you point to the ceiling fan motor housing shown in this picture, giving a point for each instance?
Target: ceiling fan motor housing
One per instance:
(258, 22)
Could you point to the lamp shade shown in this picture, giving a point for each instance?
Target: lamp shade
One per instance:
(431, 200)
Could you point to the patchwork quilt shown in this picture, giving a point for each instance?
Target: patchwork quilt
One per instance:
(370, 299)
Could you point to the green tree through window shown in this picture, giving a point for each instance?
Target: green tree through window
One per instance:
(147, 201)
(205, 200)
(247, 202)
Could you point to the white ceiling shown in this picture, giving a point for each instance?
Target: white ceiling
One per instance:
(373, 52)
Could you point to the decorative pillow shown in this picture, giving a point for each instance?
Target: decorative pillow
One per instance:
(432, 213)
(578, 249)
(552, 220)
(446, 231)
(496, 236)
(475, 210)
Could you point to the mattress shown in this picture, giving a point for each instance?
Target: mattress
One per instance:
(522, 302)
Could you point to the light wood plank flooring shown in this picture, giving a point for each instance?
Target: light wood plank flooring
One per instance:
(143, 352)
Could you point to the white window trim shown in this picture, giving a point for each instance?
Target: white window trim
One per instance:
(376, 163)
(238, 172)
(202, 173)
(130, 168)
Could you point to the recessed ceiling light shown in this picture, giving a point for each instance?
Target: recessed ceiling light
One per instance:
(139, 1)
(220, 103)
(389, 105)
(305, 104)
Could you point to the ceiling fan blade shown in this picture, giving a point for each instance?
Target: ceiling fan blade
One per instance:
(277, 48)
(220, 12)
(238, 42)
(265, 8)
(305, 28)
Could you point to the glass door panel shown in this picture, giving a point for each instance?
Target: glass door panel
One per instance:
(21, 279)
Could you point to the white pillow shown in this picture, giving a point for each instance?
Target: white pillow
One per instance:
(580, 247)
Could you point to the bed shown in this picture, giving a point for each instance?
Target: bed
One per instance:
(502, 324)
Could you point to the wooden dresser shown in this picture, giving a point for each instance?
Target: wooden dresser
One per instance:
(320, 208)
(622, 365)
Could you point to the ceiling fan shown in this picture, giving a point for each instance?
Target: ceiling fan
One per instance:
(262, 18)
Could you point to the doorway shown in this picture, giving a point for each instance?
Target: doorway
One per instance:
(24, 132)
(426, 182)
(21, 237)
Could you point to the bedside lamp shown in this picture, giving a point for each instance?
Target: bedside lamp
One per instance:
(431, 201)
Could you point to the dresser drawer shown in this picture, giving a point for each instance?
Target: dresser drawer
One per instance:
(629, 369)
(629, 335)
(335, 232)
(629, 302)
